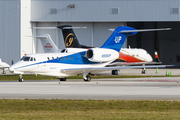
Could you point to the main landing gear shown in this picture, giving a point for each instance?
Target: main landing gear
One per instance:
(114, 72)
(86, 77)
(4, 72)
(62, 79)
(143, 71)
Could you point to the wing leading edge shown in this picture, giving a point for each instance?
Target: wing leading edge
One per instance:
(112, 68)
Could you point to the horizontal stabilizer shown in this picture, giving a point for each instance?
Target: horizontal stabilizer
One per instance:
(74, 27)
(143, 30)
(45, 28)
(42, 37)
(51, 28)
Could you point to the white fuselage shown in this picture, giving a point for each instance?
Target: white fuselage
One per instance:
(52, 64)
(134, 55)
(3, 65)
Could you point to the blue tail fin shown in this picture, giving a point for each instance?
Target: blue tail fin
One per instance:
(117, 39)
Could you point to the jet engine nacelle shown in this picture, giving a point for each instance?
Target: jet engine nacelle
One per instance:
(101, 55)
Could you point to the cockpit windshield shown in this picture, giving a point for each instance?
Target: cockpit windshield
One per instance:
(64, 51)
(26, 58)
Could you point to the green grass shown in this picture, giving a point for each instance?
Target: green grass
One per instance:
(89, 109)
(40, 77)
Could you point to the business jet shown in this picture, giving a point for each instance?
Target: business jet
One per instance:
(130, 56)
(77, 60)
(3, 66)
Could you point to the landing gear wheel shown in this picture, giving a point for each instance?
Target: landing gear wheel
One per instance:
(143, 71)
(114, 72)
(4, 72)
(62, 79)
(88, 79)
(20, 78)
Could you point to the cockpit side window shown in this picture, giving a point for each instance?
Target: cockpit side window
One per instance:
(31, 59)
(22, 58)
(26, 59)
(34, 59)
(64, 51)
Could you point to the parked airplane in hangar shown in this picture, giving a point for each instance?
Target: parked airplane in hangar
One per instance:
(78, 61)
(130, 56)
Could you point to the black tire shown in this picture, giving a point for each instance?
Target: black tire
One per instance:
(88, 79)
(62, 79)
(114, 72)
(20, 79)
(143, 71)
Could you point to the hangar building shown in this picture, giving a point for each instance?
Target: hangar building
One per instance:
(19, 18)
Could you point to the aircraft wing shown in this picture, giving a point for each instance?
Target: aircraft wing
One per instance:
(81, 70)
(134, 63)
(3, 67)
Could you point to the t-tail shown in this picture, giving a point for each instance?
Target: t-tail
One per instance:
(119, 35)
(70, 38)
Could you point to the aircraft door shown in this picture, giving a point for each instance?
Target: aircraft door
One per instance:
(43, 63)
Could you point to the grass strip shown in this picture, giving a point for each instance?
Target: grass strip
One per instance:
(88, 109)
(40, 77)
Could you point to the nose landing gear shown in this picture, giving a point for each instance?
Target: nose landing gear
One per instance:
(20, 78)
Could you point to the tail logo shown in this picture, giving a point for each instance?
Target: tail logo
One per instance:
(118, 39)
(69, 40)
(48, 46)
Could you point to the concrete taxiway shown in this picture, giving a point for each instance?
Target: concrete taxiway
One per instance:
(97, 89)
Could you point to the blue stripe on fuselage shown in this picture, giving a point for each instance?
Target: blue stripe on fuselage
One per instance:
(76, 59)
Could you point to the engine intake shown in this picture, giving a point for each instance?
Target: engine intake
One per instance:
(89, 54)
(101, 54)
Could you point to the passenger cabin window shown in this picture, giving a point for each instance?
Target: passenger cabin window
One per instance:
(57, 58)
(48, 58)
(67, 58)
(62, 58)
(71, 58)
(53, 58)
(34, 59)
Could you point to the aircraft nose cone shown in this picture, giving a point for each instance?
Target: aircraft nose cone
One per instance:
(11, 69)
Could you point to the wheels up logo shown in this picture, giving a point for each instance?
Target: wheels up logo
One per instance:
(118, 39)
(48, 46)
(69, 41)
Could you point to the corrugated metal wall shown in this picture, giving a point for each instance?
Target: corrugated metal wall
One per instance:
(101, 10)
(10, 30)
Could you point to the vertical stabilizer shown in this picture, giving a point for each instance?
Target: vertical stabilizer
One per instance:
(70, 38)
(48, 44)
(118, 37)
